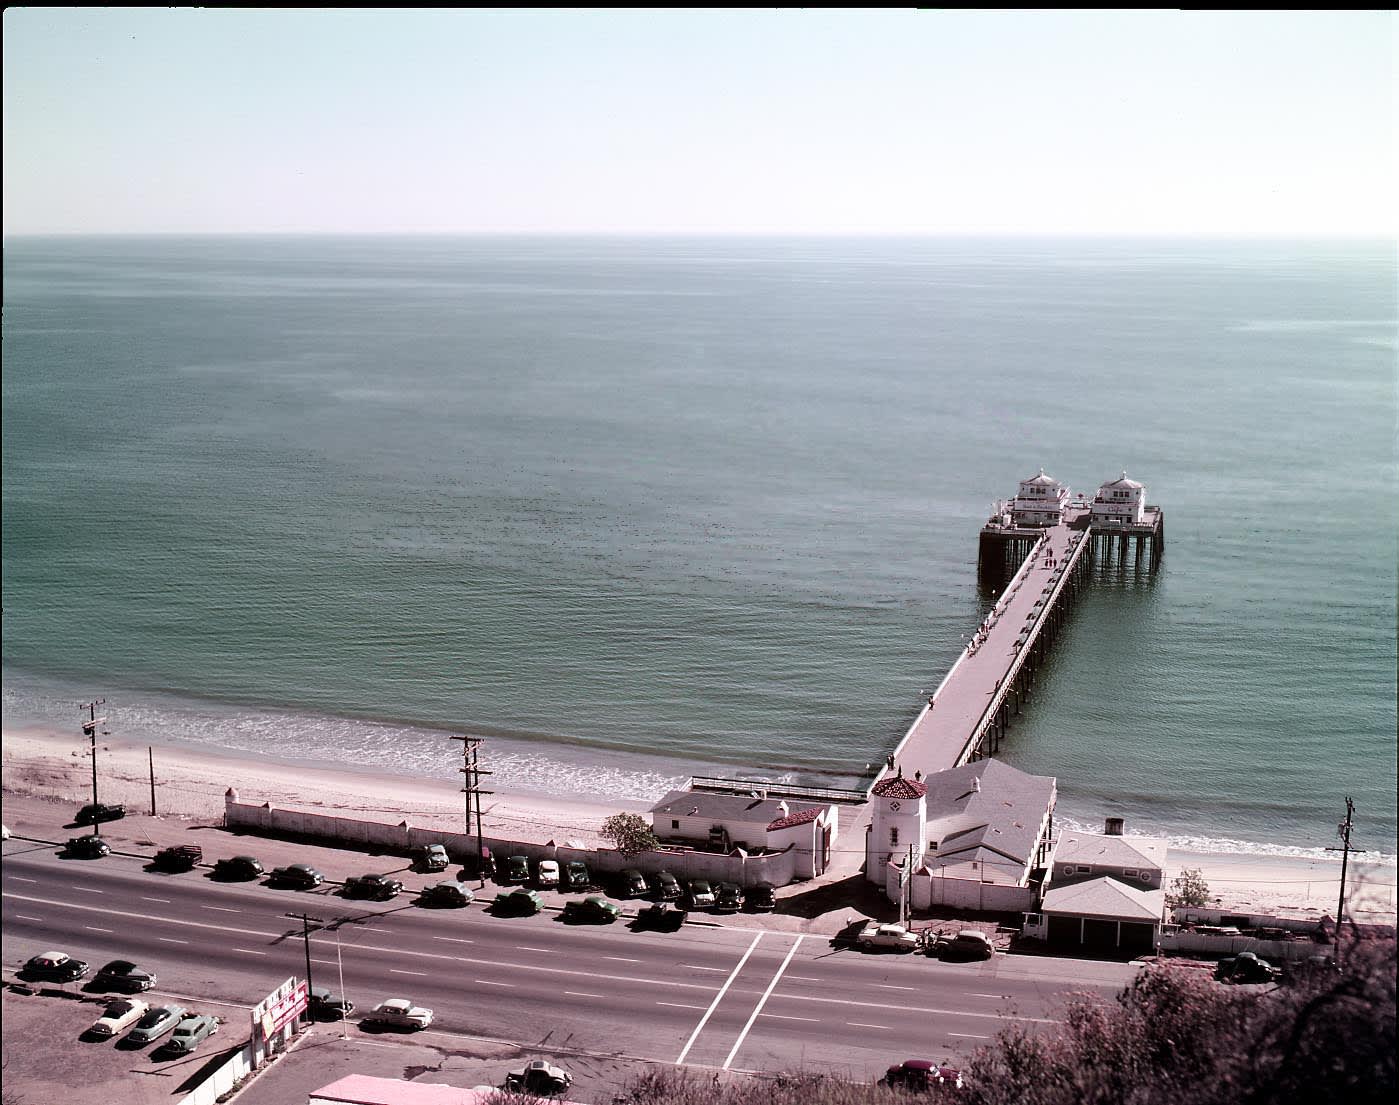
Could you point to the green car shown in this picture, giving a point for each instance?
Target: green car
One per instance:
(594, 909)
(522, 901)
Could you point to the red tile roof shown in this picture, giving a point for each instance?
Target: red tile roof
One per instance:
(799, 818)
(899, 787)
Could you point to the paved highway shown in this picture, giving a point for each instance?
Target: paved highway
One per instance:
(737, 997)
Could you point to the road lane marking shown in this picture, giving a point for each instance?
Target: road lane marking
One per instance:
(780, 1017)
(94, 928)
(986, 995)
(87, 890)
(968, 1036)
(454, 939)
(248, 951)
(27, 917)
(805, 978)
(724, 989)
(924, 1009)
(677, 1005)
(522, 948)
(222, 909)
(19, 878)
(763, 1001)
(861, 1024)
(162, 901)
(621, 959)
(580, 994)
(697, 967)
(418, 974)
(170, 940)
(886, 986)
(488, 982)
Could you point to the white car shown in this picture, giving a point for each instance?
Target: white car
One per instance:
(398, 1013)
(118, 1017)
(548, 874)
(894, 937)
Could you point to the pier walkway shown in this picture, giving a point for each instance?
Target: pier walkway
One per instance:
(968, 713)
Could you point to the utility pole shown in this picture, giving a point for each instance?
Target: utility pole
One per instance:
(306, 939)
(150, 757)
(90, 731)
(472, 792)
(1343, 829)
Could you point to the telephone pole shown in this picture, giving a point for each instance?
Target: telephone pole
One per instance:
(472, 793)
(306, 940)
(1344, 829)
(90, 731)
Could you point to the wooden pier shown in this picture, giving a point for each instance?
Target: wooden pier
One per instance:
(1035, 574)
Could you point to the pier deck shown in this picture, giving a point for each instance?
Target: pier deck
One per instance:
(985, 685)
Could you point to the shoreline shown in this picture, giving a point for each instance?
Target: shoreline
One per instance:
(191, 781)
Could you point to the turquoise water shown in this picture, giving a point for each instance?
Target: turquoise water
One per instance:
(632, 506)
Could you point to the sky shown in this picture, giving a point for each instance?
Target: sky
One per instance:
(745, 121)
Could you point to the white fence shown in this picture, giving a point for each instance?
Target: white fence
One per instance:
(222, 1079)
(778, 868)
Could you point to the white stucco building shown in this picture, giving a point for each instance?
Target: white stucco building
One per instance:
(1040, 501)
(1120, 502)
(724, 822)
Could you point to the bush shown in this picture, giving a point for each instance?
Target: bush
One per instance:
(1188, 888)
(629, 833)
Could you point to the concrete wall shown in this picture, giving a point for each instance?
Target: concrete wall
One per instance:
(778, 868)
(221, 1079)
(1277, 950)
(928, 891)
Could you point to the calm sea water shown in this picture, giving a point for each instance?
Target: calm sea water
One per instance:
(629, 507)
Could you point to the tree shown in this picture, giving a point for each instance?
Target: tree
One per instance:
(629, 833)
(1188, 888)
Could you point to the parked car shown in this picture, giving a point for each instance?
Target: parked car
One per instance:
(761, 898)
(701, 894)
(539, 1079)
(240, 868)
(96, 812)
(632, 884)
(326, 1005)
(547, 874)
(192, 1031)
(122, 974)
(398, 1013)
(55, 967)
(880, 937)
(379, 887)
(667, 887)
(662, 916)
(516, 872)
(91, 846)
(300, 876)
(728, 898)
(921, 1076)
(118, 1017)
(155, 1023)
(1246, 967)
(967, 944)
(576, 876)
(446, 894)
(521, 901)
(432, 857)
(180, 857)
(594, 909)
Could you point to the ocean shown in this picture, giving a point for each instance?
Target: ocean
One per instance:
(633, 508)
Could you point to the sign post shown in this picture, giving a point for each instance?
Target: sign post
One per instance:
(274, 1017)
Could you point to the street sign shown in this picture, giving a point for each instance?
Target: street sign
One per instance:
(279, 1008)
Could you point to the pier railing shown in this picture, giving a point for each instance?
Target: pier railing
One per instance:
(760, 788)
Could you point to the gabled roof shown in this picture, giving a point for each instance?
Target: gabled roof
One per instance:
(1124, 482)
(1111, 851)
(1106, 898)
(896, 786)
(988, 804)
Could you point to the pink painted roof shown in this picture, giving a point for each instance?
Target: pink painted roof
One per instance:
(898, 787)
(799, 818)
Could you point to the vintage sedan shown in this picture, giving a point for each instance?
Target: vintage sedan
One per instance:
(118, 1017)
(452, 894)
(91, 846)
(54, 967)
(398, 1013)
(156, 1022)
(539, 1079)
(192, 1031)
(378, 887)
(122, 974)
(594, 909)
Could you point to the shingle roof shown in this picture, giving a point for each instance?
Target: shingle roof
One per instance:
(1004, 814)
(702, 803)
(1106, 898)
(1111, 851)
(799, 818)
(897, 786)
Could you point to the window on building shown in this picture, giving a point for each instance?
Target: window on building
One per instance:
(893, 838)
(1129, 872)
(675, 824)
(932, 845)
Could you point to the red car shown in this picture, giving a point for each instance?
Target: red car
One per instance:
(922, 1076)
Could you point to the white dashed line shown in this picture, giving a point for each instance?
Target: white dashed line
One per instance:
(94, 928)
(170, 940)
(487, 982)
(162, 901)
(677, 1005)
(417, 974)
(87, 890)
(886, 986)
(780, 1017)
(859, 1024)
(248, 951)
(454, 939)
(621, 959)
(19, 878)
(27, 917)
(580, 994)
(223, 909)
(697, 967)
(968, 1036)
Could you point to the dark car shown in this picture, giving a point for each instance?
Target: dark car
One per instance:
(538, 1079)
(701, 894)
(446, 894)
(433, 857)
(516, 871)
(667, 887)
(728, 898)
(520, 901)
(91, 846)
(379, 887)
(761, 898)
(55, 967)
(238, 867)
(326, 1005)
(631, 883)
(576, 876)
(95, 812)
(1246, 968)
(921, 1076)
(180, 857)
(156, 1023)
(300, 876)
(662, 917)
(594, 909)
(122, 974)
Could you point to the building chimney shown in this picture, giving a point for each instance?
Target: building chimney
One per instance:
(782, 809)
(1112, 826)
(976, 785)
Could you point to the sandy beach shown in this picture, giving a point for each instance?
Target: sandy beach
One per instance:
(190, 786)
